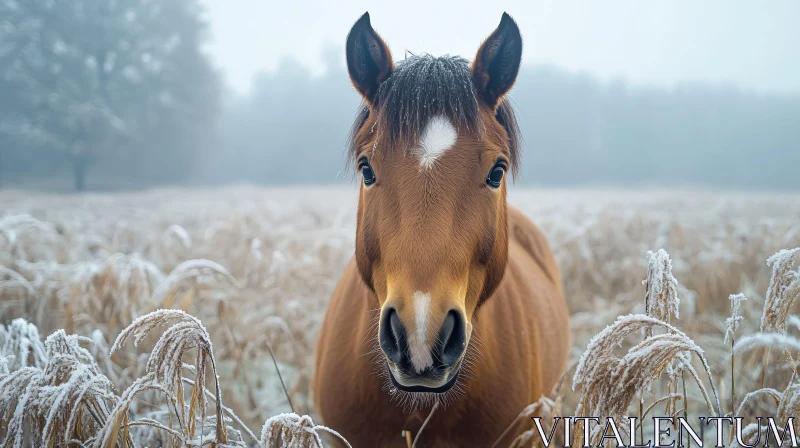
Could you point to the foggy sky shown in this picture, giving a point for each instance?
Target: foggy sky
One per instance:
(753, 45)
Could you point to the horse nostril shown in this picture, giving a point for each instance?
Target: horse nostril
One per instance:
(393, 337)
(453, 338)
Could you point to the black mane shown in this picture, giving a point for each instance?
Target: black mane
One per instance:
(422, 87)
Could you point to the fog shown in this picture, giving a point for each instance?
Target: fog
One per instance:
(135, 94)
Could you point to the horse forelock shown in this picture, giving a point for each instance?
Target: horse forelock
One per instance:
(424, 88)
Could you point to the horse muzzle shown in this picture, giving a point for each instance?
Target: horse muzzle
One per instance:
(415, 366)
(432, 381)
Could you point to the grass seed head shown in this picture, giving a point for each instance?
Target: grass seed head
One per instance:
(784, 288)
(661, 299)
(732, 323)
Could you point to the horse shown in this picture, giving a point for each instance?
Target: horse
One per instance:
(451, 307)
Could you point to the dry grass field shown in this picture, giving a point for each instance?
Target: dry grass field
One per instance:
(255, 268)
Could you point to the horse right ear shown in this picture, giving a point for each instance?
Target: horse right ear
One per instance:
(497, 63)
(369, 61)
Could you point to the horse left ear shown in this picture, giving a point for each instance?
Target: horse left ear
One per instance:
(497, 63)
(369, 61)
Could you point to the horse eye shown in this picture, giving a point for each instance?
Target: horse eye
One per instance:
(366, 172)
(495, 175)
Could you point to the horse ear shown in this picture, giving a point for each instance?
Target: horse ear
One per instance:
(497, 63)
(369, 61)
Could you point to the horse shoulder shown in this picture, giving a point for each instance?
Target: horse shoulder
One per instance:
(538, 273)
(531, 238)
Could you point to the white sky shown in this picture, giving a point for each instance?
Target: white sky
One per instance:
(752, 44)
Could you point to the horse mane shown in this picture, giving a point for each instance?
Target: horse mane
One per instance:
(422, 87)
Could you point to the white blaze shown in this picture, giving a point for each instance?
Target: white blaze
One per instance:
(417, 340)
(439, 136)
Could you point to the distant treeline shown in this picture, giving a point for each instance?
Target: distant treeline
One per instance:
(577, 130)
(120, 95)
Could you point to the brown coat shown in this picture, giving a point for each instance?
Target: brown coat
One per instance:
(524, 328)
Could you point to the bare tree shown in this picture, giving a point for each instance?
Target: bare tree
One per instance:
(96, 80)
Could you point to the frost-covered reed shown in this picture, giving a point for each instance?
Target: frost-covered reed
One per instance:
(784, 288)
(661, 298)
(608, 383)
(67, 400)
(62, 399)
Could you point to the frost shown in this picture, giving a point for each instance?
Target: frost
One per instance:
(50, 399)
(15, 282)
(765, 340)
(784, 288)
(192, 273)
(750, 433)
(179, 233)
(789, 404)
(661, 300)
(794, 320)
(294, 431)
(607, 340)
(608, 384)
(22, 342)
(732, 323)
(25, 237)
(545, 408)
(165, 366)
(408, 104)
